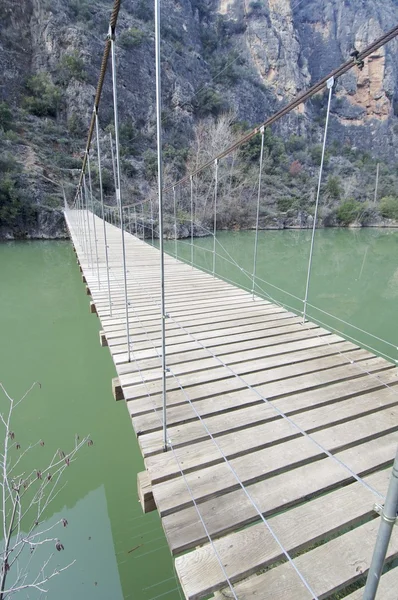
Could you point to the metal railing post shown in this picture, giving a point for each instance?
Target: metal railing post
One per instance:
(215, 215)
(93, 218)
(192, 221)
(388, 516)
(329, 85)
(175, 222)
(258, 211)
(163, 315)
(103, 211)
(88, 222)
(118, 189)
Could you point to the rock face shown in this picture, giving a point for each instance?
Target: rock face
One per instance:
(249, 57)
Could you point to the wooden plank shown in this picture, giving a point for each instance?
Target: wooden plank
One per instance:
(103, 340)
(252, 373)
(387, 589)
(145, 494)
(246, 552)
(147, 419)
(311, 420)
(117, 389)
(328, 568)
(228, 512)
(93, 309)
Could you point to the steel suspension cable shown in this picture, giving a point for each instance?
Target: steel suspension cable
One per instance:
(317, 87)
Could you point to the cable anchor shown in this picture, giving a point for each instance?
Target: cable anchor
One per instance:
(379, 508)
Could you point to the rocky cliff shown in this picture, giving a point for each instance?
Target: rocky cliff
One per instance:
(248, 58)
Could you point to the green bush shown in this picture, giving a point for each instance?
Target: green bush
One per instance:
(333, 187)
(284, 204)
(5, 116)
(8, 163)
(129, 38)
(14, 210)
(45, 97)
(348, 212)
(389, 207)
(316, 155)
(71, 66)
(76, 126)
(150, 164)
(208, 102)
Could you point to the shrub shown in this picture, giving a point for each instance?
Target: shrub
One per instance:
(5, 116)
(348, 212)
(150, 164)
(389, 207)
(284, 204)
(14, 210)
(316, 155)
(76, 126)
(45, 97)
(208, 102)
(71, 66)
(333, 187)
(295, 143)
(129, 38)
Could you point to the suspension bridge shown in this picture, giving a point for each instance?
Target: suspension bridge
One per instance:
(267, 439)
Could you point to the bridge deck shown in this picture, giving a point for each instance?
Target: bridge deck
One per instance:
(267, 416)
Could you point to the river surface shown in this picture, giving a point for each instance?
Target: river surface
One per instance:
(354, 277)
(48, 335)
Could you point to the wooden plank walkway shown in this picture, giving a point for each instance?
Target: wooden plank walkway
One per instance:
(269, 421)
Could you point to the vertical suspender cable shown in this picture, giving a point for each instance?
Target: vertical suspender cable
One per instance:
(388, 514)
(83, 225)
(113, 160)
(118, 189)
(215, 215)
(103, 211)
(377, 182)
(129, 218)
(135, 222)
(258, 210)
(152, 220)
(329, 85)
(90, 183)
(143, 221)
(192, 221)
(88, 222)
(175, 222)
(160, 195)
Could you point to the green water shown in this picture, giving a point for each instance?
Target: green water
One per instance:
(48, 335)
(354, 276)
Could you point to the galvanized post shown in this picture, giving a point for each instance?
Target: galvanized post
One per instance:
(329, 85)
(377, 182)
(175, 223)
(93, 217)
(103, 211)
(215, 215)
(258, 211)
(192, 221)
(118, 189)
(151, 220)
(88, 222)
(160, 197)
(388, 514)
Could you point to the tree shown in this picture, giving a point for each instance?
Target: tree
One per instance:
(25, 498)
